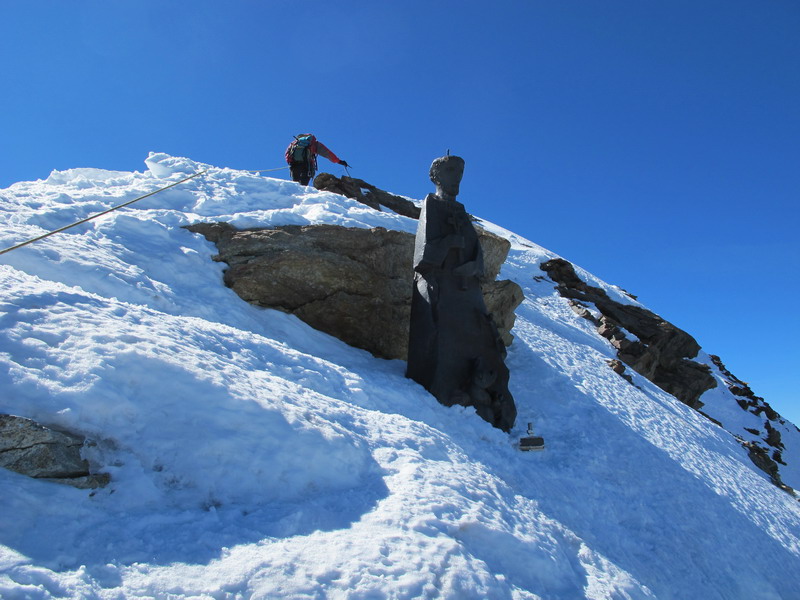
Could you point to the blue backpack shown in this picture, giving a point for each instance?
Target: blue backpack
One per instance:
(300, 149)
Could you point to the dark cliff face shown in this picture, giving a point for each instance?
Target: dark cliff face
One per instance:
(663, 353)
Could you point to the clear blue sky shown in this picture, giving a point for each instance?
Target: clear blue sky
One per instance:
(656, 144)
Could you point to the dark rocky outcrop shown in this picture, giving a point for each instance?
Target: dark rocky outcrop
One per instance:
(619, 368)
(766, 452)
(366, 193)
(352, 283)
(762, 460)
(31, 449)
(661, 352)
(746, 399)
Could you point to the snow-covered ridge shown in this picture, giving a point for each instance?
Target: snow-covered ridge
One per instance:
(252, 456)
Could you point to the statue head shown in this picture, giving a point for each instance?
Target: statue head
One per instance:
(446, 172)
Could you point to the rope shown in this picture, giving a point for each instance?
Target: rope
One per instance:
(100, 214)
(123, 205)
(267, 170)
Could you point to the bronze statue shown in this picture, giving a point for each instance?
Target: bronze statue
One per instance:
(454, 348)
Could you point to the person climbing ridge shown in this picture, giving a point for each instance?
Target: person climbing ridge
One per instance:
(302, 157)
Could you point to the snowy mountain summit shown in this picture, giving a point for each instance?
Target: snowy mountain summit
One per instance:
(253, 456)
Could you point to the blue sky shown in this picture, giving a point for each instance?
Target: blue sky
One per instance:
(653, 143)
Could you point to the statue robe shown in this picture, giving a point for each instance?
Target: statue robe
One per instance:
(455, 351)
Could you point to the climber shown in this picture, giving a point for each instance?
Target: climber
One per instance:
(302, 157)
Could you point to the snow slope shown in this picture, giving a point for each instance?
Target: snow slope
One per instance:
(254, 457)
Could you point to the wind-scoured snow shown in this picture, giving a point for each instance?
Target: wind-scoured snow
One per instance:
(254, 457)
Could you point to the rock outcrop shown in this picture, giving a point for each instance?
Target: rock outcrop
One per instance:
(366, 193)
(660, 351)
(502, 298)
(352, 283)
(31, 449)
(766, 452)
(746, 399)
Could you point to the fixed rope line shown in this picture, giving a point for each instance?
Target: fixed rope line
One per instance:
(267, 170)
(123, 205)
(100, 214)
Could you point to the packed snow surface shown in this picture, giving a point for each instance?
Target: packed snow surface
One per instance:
(254, 457)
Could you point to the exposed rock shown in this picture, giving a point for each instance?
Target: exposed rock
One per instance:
(366, 193)
(616, 366)
(747, 400)
(345, 281)
(352, 283)
(619, 368)
(31, 449)
(580, 309)
(662, 351)
(495, 250)
(770, 438)
(662, 354)
(502, 298)
(762, 460)
(773, 436)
